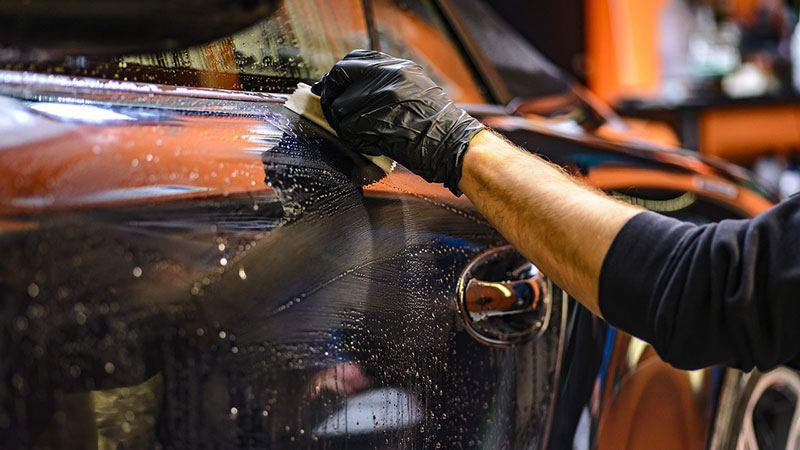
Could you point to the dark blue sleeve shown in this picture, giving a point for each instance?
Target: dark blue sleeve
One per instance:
(723, 293)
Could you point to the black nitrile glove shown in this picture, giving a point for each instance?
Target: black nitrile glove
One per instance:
(384, 105)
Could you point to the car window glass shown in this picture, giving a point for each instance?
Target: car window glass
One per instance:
(525, 71)
(415, 30)
(300, 41)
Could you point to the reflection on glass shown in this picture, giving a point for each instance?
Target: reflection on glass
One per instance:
(300, 41)
(414, 30)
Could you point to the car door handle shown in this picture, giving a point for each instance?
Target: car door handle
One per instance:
(503, 299)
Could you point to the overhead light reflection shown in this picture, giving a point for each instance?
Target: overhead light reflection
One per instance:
(82, 113)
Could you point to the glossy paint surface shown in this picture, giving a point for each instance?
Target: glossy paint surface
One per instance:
(197, 273)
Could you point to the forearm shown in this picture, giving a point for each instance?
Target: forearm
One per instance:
(564, 227)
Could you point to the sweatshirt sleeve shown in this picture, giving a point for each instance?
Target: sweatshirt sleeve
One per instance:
(723, 293)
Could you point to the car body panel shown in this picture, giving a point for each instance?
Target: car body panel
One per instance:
(217, 272)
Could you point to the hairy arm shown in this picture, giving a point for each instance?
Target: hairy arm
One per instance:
(564, 227)
(721, 293)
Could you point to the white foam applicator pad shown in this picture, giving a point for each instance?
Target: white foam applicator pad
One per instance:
(306, 103)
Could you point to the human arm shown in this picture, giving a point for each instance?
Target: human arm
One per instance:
(563, 226)
(720, 293)
(723, 293)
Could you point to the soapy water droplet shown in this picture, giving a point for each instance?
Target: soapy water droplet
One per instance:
(242, 273)
(137, 271)
(223, 261)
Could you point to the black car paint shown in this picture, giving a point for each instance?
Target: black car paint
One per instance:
(332, 276)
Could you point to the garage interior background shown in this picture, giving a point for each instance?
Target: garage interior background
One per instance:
(723, 75)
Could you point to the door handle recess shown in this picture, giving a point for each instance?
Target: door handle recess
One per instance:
(503, 299)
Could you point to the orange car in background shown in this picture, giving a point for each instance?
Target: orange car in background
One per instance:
(188, 264)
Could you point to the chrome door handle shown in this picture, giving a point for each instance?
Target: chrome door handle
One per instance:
(504, 299)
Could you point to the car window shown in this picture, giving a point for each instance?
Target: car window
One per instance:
(415, 30)
(526, 73)
(300, 41)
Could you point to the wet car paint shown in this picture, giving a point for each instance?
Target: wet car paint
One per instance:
(278, 314)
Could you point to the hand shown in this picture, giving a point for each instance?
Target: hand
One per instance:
(384, 105)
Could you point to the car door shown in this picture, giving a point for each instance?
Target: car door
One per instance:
(192, 271)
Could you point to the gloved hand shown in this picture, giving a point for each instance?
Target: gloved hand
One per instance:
(384, 105)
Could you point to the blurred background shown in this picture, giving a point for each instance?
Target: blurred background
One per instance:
(722, 75)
